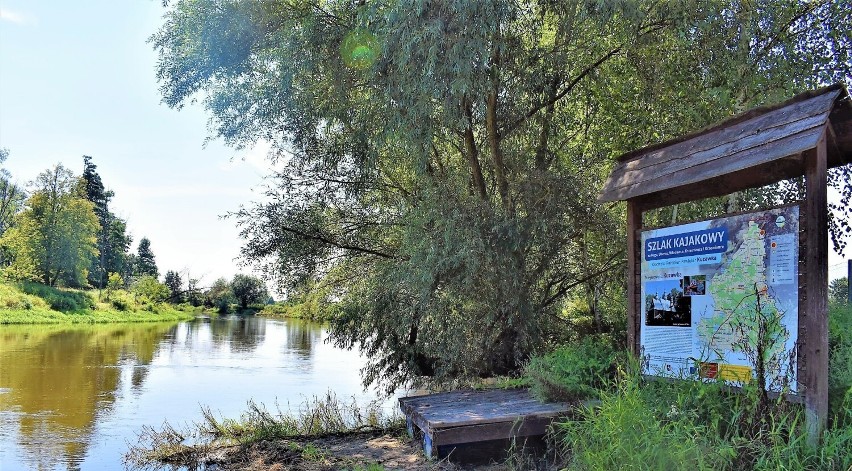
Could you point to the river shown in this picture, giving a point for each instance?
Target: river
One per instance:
(73, 397)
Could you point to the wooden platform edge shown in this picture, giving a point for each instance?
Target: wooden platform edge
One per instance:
(523, 427)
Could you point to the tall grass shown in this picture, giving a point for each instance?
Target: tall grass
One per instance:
(196, 444)
(689, 425)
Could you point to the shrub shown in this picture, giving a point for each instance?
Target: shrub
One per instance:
(573, 372)
(148, 290)
(59, 299)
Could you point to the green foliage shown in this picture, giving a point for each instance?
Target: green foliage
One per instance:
(691, 425)
(12, 199)
(145, 262)
(175, 286)
(114, 282)
(220, 296)
(54, 237)
(148, 290)
(249, 290)
(35, 303)
(63, 300)
(369, 467)
(626, 432)
(444, 158)
(838, 291)
(13, 298)
(311, 300)
(573, 372)
(112, 241)
(840, 363)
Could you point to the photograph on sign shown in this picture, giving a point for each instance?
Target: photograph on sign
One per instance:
(712, 291)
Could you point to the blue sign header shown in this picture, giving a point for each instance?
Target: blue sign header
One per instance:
(708, 241)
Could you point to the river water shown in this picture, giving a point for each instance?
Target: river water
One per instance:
(73, 397)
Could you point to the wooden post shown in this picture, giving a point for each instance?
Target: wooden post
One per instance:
(815, 315)
(634, 289)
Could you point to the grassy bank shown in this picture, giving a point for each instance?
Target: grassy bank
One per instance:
(33, 303)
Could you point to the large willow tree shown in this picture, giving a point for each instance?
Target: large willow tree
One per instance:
(440, 159)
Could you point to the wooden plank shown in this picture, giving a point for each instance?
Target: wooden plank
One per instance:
(815, 315)
(726, 141)
(622, 177)
(634, 251)
(748, 134)
(528, 426)
(458, 408)
(704, 171)
(754, 177)
(805, 104)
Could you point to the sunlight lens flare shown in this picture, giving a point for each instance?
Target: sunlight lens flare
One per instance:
(359, 50)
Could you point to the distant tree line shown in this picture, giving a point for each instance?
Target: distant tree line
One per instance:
(62, 232)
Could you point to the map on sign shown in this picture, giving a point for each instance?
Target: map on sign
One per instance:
(713, 291)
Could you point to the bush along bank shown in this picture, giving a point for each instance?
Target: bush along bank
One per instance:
(34, 303)
(639, 423)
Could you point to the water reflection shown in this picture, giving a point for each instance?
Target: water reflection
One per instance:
(59, 379)
(71, 397)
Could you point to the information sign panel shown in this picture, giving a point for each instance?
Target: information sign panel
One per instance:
(712, 289)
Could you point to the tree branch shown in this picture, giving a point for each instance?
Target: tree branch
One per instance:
(341, 245)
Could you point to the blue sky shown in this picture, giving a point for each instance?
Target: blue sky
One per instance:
(77, 78)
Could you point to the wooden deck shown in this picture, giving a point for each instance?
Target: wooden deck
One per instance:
(451, 419)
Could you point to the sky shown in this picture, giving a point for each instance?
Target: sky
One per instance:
(78, 78)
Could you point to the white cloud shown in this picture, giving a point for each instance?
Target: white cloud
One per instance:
(11, 17)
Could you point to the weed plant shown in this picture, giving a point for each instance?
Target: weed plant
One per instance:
(689, 425)
(574, 372)
(316, 417)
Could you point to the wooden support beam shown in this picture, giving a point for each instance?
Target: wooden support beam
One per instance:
(634, 289)
(813, 310)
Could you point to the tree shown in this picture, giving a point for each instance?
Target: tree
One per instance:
(113, 240)
(219, 295)
(175, 286)
(148, 290)
(444, 157)
(193, 291)
(12, 196)
(12, 199)
(249, 290)
(145, 263)
(55, 237)
(92, 188)
(118, 258)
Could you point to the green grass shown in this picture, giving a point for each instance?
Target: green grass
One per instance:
(33, 303)
(686, 425)
(689, 425)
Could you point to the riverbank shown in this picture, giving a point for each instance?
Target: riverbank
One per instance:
(352, 451)
(322, 434)
(32, 303)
